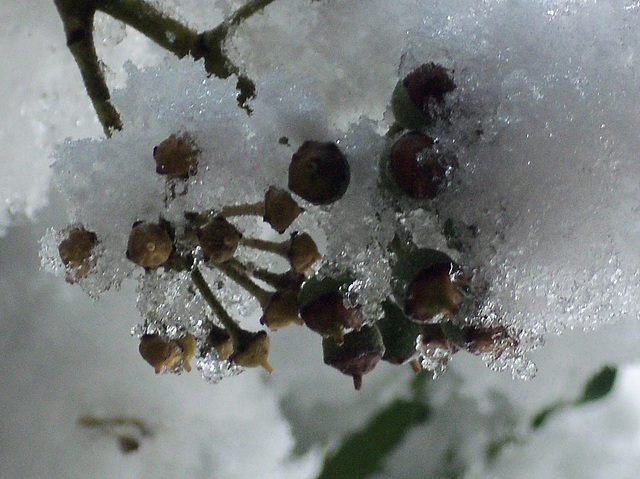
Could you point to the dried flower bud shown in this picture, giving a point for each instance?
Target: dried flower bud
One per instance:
(479, 339)
(302, 252)
(75, 252)
(220, 340)
(282, 310)
(176, 157)
(167, 355)
(280, 209)
(219, 240)
(418, 99)
(415, 166)
(328, 316)
(319, 172)
(149, 244)
(251, 350)
(358, 355)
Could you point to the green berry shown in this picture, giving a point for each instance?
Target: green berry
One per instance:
(319, 172)
(358, 355)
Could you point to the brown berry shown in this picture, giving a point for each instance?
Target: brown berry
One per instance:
(251, 350)
(219, 240)
(176, 157)
(167, 355)
(319, 172)
(416, 167)
(149, 244)
(220, 340)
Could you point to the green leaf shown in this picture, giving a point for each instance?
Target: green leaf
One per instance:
(599, 385)
(540, 418)
(362, 454)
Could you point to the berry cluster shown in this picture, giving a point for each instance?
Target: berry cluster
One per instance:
(423, 322)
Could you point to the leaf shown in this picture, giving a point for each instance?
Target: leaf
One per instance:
(362, 454)
(599, 385)
(542, 416)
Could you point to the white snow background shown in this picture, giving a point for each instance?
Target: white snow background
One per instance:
(552, 84)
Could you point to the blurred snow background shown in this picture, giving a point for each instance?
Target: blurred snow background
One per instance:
(553, 85)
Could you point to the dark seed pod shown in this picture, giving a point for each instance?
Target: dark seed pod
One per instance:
(319, 172)
(416, 167)
(219, 240)
(75, 252)
(149, 244)
(399, 335)
(280, 209)
(358, 355)
(418, 99)
(176, 157)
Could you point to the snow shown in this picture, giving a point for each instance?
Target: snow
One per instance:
(549, 186)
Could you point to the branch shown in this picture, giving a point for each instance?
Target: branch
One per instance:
(175, 37)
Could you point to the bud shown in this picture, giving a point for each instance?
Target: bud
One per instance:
(176, 157)
(282, 310)
(280, 209)
(251, 350)
(302, 252)
(319, 172)
(415, 166)
(418, 99)
(358, 355)
(219, 240)
(480, 339)
(167, 355)
(75, 252)
(220, 340)
(149, 244)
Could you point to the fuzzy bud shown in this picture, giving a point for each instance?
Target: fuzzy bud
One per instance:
(75, 251)
(149, 244)
(176, 157)
(219, 240)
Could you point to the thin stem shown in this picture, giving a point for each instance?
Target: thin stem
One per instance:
(279, 281)
(77, 18)
(240, 277)
(252, 209)
(227, 321)
(264, 245)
